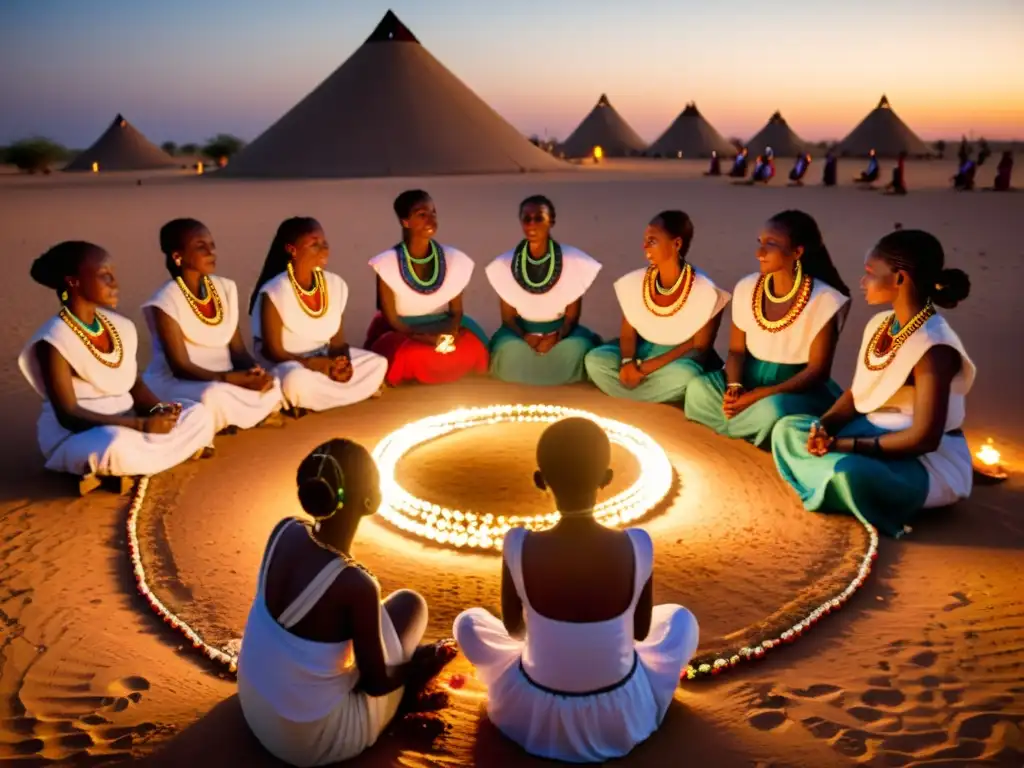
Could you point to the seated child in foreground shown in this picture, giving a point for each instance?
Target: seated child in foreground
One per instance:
(581, 667)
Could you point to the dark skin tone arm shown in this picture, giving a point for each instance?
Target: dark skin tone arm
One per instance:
(173, 343)
(696, 347)
(737, 358)
(424, 333)
(933, 379)
(817, 370)
(510, 319)
(511, 605)
(272, 333)
(60, 391)
(362, 598)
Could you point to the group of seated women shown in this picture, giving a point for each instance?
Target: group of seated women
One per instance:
(581, 666)
(101, 418)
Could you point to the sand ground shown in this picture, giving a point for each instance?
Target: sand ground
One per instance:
(924, 666)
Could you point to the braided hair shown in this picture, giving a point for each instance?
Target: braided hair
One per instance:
(277, 257)
(803, 232)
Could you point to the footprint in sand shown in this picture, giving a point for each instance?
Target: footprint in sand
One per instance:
(816, 691)
(882, 697)
(767, 719)
(925, 659)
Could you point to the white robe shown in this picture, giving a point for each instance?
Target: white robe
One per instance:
(888, 402)
(207, 347)
(578, 273)
(307, 336)
(704, 303)
(793, 344)
(107, 450)
(412, 303)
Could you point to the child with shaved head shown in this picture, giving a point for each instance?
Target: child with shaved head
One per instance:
(581, 666)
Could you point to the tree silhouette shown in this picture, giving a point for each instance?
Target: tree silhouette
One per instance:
(36, 155)
(189, 149)
(169, 147)
(223, 145)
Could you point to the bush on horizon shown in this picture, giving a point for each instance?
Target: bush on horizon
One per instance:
(223, 145)
(170, 148)
(35, 155)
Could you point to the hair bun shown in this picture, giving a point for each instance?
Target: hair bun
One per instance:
(318, 497)
(952, 287)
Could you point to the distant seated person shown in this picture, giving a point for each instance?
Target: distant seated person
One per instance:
(739, 165)
(870, 175)
(764, 168)
(716, 167)
(964, 179)
(1003, 173)
(325, 662)
(898, 184)
(581, 666)
(799, 169)
(830, 174)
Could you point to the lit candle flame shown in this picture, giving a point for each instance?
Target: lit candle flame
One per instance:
(988, 454)
(199, 169)
(598, 153)
(446, 344)
(95, 167)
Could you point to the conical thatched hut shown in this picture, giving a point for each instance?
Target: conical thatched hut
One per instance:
(604, 127)
(692, 135)
(883, 131)
(391, 109)
(122, 147)
(780, 137)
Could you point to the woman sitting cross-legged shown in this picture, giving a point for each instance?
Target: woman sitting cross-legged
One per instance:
(198, 351)
(581, 666)
(540, 284)
(324, 661)
(670, 317)
(421, 328)
(785, 325)
(98, 416)
(296, 310)
(892, 445)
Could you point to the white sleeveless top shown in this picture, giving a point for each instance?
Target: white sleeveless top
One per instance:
(791, 345)
(578, 658)
(301, 333)
(411, 303)
(888, 401)
(206, 345)
(304, 679)
(705, 301)
(579, 271)
(98, 387)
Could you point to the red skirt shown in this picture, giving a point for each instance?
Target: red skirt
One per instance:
(414, 361)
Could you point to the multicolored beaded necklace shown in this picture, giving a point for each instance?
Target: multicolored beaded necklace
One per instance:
(345, 556)
(885, 342)
(319, 289)
(87, 335)
(522, 261)
(651, 286)
(205, 286)
(406, 268)
(801, 295)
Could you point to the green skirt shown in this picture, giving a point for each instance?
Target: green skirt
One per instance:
(468, 323)
(887, 493)
(512, 359)
(705, 396)
(666, 385)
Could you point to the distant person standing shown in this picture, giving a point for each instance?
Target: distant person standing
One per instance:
(1003, 173)
(830, 174)
(898, 184)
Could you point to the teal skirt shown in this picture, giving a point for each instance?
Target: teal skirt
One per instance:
(705, 396)
(512, 359)
(887, 493)
(668, 384)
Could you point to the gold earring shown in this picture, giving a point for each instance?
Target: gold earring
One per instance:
(63, 296)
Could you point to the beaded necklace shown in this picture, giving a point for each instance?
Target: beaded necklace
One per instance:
(797, 278)
(682, 285)
(522, 261)
(345, 556)
(802, 296)
(406, 268)
(319, 289)
(884, 342)
(77, 326)
(205, 286)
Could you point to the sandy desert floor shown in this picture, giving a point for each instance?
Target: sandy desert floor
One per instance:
(924, 666)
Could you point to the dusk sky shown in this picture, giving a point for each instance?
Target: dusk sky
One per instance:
(189, 69)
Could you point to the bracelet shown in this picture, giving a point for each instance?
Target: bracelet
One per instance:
(625, 360)
(734, 385)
